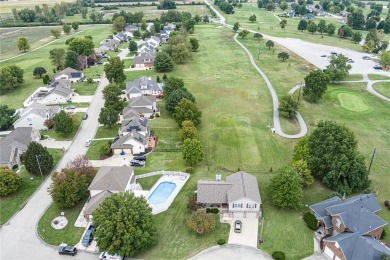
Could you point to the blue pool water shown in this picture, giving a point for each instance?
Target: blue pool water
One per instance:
(161, 193)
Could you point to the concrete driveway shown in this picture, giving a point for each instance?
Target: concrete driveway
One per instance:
(82, 99)
(51, 143)
(115, 160)
(248, 235)
(234, 252)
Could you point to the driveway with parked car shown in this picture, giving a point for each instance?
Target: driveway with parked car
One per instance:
(244, 231)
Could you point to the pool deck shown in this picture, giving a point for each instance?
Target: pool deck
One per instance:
(179, 178)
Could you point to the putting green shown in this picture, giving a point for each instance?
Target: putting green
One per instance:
(352, 102)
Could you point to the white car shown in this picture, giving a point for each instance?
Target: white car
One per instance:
(88, 143)
(106, 256)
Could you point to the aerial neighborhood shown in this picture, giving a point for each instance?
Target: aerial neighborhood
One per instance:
(195, 130)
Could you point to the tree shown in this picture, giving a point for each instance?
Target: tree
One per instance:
(321, 26)
(27, 15)
(82, 46)
(111, 97)
(181, 52)
(252, 18)
(71, 59)
(66, 28)
(315, 85)
(37, 159)
(283, 6)
(201, 222)
(6, 117)
(75, 25)
(137, 34)
(283, 56)
(356, 19)
(114, 70)
(286, 190)
(9, 181)
(283, 23)
(302, 25)
(301, 150)
(385, 59)
(338, 68)
(119, 24)
(243, 33)
(194, 44)
(187, 130)
(312, 27)
(46, 79)
(124, 225)
(63, 123)
(56, 33)
(236, 26)
(303, 171)
(288, 106)
(356, 37)
(174, 98)
(57, 57)
(345, 31)
(269, 44)
(69, 186)
(10, 78)
(257, 36)
(187, 110)
(133, 46)
(22, 44)
(108, 116)
(192, 151)
(330, 29)
(171, 84)
(39, 71)
(163, 62)
(335, 158)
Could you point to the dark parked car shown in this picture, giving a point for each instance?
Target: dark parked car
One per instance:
(366, 58)
(140, 158)
(334, 53)
(323, 56)
(88, 236)
(237, 226)
(67, 250)
(137, 163)
(377, 67)
(350, 61)
(85, 116)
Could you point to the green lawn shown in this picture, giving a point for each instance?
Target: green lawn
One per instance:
(148, 182)
(93, 152)
(70, 235)
(40, 57)
(77, 118)
(107, 132)
(11, 204)
(354, 77)
(128, 63)
(84, 88)
(383, 88)
(377, 77)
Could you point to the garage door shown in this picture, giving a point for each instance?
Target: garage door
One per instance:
(337, 258)
(329, 252)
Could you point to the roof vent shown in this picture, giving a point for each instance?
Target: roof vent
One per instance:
(218, 177)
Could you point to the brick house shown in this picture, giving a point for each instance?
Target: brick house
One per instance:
(351, 228)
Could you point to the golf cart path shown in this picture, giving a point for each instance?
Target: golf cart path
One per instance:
(275, 101)
(369, 86)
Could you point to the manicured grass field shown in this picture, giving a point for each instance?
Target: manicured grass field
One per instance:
(77, 118)
(352, 102)
(40, 57)
(377, 77)
(6, 6)
(70, 235)
(383, 88)
(11, 204)
(93, 152)
(354, 77)
(148, 182)
(85, 89)
(107, 132)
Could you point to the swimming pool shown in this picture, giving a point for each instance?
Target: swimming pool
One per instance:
(161, 193)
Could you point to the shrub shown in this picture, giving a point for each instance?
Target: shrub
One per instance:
(151, 117)
(212, 210)
(383, 234)
(9, 181)
(387, 203)
(201, 222)
(192, 204)
(310, 220)
(157, 115)
(189, 170)
(221, 241)
(334, 194)
(278, 255)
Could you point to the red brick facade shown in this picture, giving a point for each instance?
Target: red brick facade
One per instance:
(335, 250)
(376, 233)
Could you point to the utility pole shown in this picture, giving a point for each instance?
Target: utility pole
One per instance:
(372, 159)
(39, 166)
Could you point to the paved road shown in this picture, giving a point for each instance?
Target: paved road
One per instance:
(275, 101)
(18, 238)
(233, 252)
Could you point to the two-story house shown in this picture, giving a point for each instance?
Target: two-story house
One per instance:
(144, 60)
(143, 86)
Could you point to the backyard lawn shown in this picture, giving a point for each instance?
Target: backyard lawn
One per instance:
(11, 204)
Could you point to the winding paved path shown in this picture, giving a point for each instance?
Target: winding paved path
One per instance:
(275, 101)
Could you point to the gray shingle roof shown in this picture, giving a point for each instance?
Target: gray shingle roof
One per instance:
(143, 83)
(19, 138)
(61, 87)
(238, 185)
(136, 123)
(95, 201)
(112, 178)
(69, 72)
(142, 101)
(140, 59)
(320, 208)
(39, 109)
(120, 143)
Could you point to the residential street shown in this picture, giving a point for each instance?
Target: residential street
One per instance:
(20, 231)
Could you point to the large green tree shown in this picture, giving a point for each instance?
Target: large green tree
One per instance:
(133, 46)
(201, 222)
(56, 33)
(312, 27)
(338, 68)
(286, 190)
(321, 26)
(111, 97)
(288, 106)
(119, 24)
(187, 110)
(335, 158)
(71, 59)
(82, 46)
(124, 225)
(114, 70)
(57, 57)
(163, 62)
(181, 52)
(108, 116)
(9, 181)
(385, 59)
(39, 71)
(187, 131)
(37, 158)
(22, 44)
(174, 98)
(63, 123)
(192, 151)
(66, 28)
(10, 78)
(6, 117)
(315, 85)
(75, 25)
(302, 25)
(171, 84)
(269, 44)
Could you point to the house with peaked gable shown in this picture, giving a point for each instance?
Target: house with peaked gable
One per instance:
(153, 41)
(143, 86)
(142, 112)
(131, 28)
(108, 181)
(109, 44)
(145, 47)
(35, 116)
(350, 229)
(131, 143)
(70, 74)
(144, 102)
(140, 125)
(60, 92)
(144, 60)
(15, 144)
(239, 195)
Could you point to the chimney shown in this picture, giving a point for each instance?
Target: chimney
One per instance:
(218, 177)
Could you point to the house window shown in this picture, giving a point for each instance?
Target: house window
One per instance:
(147, 60)
(338, 223)
(237, 205)
(251, 205)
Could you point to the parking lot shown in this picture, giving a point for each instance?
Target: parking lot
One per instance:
(249, 231)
